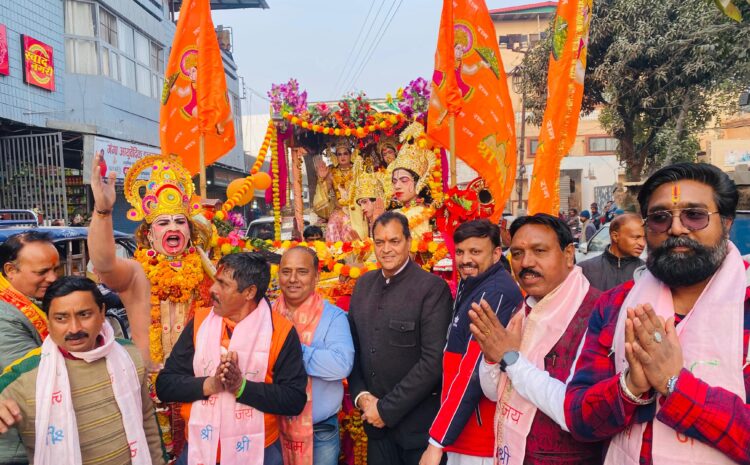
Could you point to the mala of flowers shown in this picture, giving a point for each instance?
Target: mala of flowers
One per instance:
(269, 141)
(386, 122)
(275, 188)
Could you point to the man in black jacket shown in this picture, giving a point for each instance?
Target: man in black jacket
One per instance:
(618, 262)
(463, 426)
(399, 318)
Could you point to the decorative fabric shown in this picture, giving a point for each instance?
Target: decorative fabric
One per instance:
(297, 432)
(714, 356)
(35, 315)
(56, 427)
(542, 329)
(220, 419)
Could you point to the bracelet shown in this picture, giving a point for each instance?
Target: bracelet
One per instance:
(671, 384)
(241, 389)
(102, 212)
(629, 395)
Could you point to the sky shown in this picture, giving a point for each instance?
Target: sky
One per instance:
(335, 46)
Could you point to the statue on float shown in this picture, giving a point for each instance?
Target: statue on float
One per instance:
(170, 240)
(409, 174)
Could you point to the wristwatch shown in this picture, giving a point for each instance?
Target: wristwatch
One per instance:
(509, 358)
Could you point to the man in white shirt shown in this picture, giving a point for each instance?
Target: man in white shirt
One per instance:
(526, 365)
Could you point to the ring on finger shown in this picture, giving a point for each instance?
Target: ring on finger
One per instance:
(657, 337)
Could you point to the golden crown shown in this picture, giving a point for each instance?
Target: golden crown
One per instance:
(168, 190)
(367, 186)
(387, 141)
(412, 157)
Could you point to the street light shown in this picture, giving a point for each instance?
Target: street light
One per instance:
(517, 81)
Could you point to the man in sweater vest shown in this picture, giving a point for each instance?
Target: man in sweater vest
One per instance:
(526, 364)
(82, 397)
(463, 426)
(235, 367)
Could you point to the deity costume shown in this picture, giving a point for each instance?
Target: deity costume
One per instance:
(383, 174)
(419, 162)
(179, 284)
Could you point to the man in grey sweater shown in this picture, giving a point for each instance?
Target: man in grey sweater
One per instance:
(617, 264)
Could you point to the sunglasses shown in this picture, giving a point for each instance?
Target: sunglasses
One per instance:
(693, 219)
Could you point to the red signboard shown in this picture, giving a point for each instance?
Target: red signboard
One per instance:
(39, 67)
(4, 66)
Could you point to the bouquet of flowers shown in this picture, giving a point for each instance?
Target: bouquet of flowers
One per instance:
(287, 98)
(414, 99)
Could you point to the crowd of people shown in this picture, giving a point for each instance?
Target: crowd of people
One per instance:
(535, 360)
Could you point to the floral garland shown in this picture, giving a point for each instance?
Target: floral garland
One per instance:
(386, 121)
(415, 221)
(175, 284)
(275, 188)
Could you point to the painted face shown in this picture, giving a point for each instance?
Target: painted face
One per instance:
(344, 157)
(475, 255)
(538, 261)
(391, 247)
(388, 154)
(34, 270)
(75, 321)
(368, 207)
(169, 234)
(404, 187)
(297, 276)
(226, 298)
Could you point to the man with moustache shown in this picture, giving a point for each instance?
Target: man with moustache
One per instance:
(463, 425)
(526, 364)
(82, 397)
(236, 368)
(399, 316)
(672, 346)
(618, 262)
(328, 355)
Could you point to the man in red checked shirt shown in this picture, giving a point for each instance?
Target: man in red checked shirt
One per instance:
(672, 346)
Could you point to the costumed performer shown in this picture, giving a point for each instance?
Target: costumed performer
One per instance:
(409, 174)
(169, 241)
(368, 194)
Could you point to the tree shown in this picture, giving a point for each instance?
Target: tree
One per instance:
(658, 71)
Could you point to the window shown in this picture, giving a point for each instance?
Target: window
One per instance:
(108, 27)
(533, 146)
(602, 144)
(81, 56)
(128, 73)
(80, 19)
(80, 46)
(126, 38)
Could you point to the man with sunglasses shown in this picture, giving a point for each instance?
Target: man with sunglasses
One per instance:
(672, 346)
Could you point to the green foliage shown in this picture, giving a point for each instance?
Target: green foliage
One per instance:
(657, 71)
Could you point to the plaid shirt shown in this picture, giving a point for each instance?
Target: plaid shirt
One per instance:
(596, 409)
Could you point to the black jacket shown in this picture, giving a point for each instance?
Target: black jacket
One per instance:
(399, 330)
(285, 396)
(607, 271)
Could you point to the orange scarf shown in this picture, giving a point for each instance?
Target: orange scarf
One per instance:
(297, 432)
(35, 315)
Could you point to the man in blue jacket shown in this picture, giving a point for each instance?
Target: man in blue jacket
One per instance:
(463, 426)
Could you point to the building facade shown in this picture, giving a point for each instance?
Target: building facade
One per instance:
(86, 76)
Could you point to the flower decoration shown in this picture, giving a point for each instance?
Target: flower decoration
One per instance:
(287, 97)
(414, 99)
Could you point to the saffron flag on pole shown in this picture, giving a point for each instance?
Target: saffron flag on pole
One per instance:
(567, 68)
(470, 82)
(194, 99)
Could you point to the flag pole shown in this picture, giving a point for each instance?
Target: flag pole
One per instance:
(452, 148)
(202, 162)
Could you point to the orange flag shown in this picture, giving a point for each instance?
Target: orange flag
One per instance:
(195, 100)
(469, 82)
(567, 67)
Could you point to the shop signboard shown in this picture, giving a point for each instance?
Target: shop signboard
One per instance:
(38, 63)
(4, 64)
(119, 156)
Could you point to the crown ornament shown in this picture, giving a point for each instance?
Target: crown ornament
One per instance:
(412, 157)
(367, 186)
(168, 190)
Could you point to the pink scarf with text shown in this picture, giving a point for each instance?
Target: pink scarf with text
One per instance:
(220, 419)
(711, 336)
(542, 329)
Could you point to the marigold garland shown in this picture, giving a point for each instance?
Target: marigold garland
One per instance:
(275, 188)
(386, 122)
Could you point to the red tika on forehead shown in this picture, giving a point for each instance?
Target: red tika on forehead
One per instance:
(675, 193)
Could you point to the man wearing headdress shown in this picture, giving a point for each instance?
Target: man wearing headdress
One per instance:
(388, 149)
(367, 193)
(409, 173)
(169, 240)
